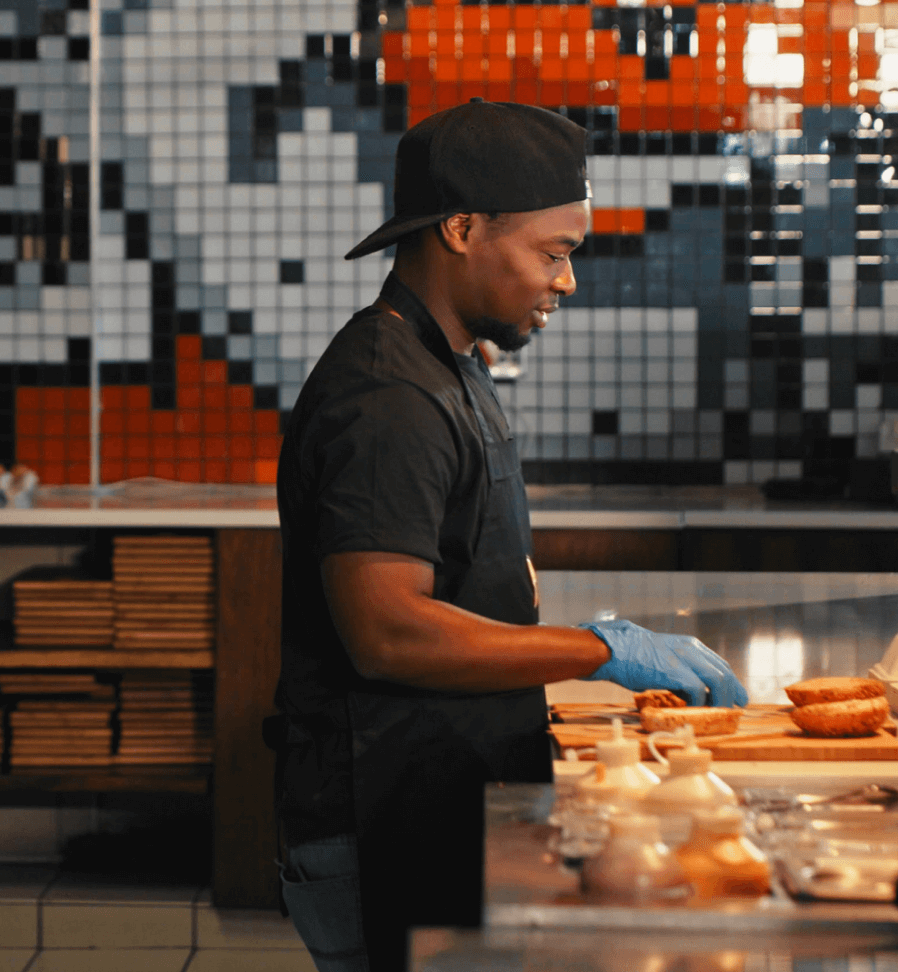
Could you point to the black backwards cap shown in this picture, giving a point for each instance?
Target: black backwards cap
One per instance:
(482, 157)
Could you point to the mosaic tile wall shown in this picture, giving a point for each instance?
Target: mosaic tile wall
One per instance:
(736, 317)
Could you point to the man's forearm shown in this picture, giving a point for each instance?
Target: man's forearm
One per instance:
(393, 629)
(445, 647)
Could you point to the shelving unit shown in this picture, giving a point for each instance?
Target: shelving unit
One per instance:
(245, 662)
(114, 778)
(110, 779)
(107, 659)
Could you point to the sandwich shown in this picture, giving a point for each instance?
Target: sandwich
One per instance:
(838, 706)
(705, 720)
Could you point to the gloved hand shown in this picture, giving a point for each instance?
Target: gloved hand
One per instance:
(642, 659)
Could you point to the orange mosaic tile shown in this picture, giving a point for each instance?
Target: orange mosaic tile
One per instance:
(607, 78)
(618, 221)
(214, 425)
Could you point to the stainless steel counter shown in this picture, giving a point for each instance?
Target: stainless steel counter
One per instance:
(535, 920)
(604, 950)
(157, 502)
(526, 886)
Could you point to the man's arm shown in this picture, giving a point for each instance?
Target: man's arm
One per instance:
(384, 611)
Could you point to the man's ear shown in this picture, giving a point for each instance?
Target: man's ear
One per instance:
(455, 231)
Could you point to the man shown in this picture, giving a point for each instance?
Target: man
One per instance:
(413, 665)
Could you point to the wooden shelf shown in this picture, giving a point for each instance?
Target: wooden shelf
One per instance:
(104, 658)
(108, 779)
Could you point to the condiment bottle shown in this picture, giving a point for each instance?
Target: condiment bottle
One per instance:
(634, 867)
(719, 860)
(618, 773)
(690, 785)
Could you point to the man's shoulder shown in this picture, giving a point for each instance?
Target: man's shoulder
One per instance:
(375, 345)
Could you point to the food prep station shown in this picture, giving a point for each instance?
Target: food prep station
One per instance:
(774, 630)
(536, 918)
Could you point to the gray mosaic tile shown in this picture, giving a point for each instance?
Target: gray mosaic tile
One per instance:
(215, 298)
(188, 297)
(188, 247)
(79, 274)
(162, 247)
(27, 297)
(134, 22)
(240, 348)
(137, 199)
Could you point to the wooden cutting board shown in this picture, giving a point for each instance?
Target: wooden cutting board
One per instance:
(765, 733)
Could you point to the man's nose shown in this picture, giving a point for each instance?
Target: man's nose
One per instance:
(565, 283)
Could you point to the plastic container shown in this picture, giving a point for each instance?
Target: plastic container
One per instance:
(690, 786)
(618, 774)
(720, 861)
(634, 866)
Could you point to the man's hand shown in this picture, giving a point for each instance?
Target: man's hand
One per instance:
(642, 659)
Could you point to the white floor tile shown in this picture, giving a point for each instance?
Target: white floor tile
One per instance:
(109, 926)
(230, 928)
(14, 959)
(250, 960)
(18, 924)
(111, 960)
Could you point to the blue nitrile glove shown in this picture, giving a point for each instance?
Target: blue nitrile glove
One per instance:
(642, 659)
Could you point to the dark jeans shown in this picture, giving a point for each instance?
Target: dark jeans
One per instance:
(321, 889)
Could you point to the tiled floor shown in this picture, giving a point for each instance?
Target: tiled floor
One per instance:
(53, 922)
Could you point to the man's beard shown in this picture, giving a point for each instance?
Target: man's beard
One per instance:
(506, 337)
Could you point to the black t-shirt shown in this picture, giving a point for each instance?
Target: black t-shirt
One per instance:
(383, 452)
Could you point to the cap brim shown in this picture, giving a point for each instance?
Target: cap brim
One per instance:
(391, 231)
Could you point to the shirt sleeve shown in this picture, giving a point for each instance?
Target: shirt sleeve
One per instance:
(386, 463)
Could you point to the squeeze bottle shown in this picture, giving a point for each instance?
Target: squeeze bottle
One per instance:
(618, 773)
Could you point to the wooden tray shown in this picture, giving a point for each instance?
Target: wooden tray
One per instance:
(766, 733)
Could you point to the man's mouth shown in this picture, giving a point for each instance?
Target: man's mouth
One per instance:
(543, 313)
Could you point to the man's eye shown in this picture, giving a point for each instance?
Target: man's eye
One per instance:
(555, 258)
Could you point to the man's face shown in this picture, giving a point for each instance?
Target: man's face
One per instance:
(518, 268)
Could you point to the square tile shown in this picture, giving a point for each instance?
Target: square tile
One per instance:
(233, 928)
(15, 959)
(18, 925)
(109, 960)
(116, 926)
(250, 960)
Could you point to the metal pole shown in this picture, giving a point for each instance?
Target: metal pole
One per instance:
(96, 324)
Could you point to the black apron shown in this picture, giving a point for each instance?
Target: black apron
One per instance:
(420, 760)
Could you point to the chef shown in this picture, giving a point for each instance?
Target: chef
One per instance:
(413, 665)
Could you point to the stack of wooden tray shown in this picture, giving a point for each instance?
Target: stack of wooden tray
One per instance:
(59, 719)
(63, 612)
(163, 591)
(165, 718)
